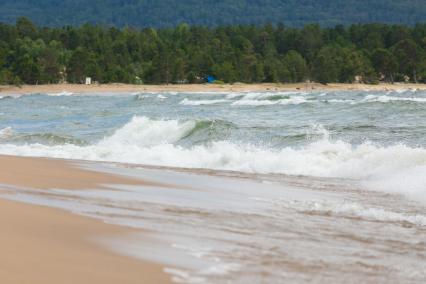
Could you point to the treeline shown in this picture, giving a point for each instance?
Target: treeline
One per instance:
(188, 54)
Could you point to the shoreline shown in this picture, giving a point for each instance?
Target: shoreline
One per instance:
(238, 87)
(48, 245)
(197, 228)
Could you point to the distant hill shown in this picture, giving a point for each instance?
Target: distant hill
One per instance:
(163, 13)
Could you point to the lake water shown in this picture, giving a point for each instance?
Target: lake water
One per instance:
(273, 187)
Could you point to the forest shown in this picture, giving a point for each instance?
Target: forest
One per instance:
(170, 13)
(188, 54)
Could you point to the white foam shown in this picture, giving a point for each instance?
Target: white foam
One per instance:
(141, 96)
(201, 102)
(387, 99)
(61, 94)
(357, 210)
(262, 95)
(396, 168)
(401, 91)
(182, 276)
(409, 180)
(171, 93)
(11, 96)
(290, 101)
(349, 209)
(339, 101)
(254, 103)
(6, 132)
(377, 99)
(144, 132)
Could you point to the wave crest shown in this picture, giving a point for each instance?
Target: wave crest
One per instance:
(6, 132)
(387, 99)
(145, 132)
(396, 168)
(201, 102)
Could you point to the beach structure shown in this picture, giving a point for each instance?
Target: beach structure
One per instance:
(210, 79)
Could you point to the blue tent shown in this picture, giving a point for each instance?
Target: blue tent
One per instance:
(210, 79)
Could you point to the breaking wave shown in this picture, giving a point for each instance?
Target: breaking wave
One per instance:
(8, 135)
(156, 142)
(201, 102)
(285, 101)
(297, 98)
(6, 132)
(61, 94)
(263, 95)
(7, 97)
(387, 99)
(267, 99)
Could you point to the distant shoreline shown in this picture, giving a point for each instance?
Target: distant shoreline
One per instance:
(125, 88)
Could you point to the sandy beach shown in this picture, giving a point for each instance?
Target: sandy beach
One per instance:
(209, 227)
(238, 87)
(44, 245)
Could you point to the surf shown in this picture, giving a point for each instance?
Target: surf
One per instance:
(159, 142)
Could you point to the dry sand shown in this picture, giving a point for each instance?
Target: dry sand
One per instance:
(29, 89)
(41, 245)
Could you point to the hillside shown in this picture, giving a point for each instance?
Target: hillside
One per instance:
(164, 13)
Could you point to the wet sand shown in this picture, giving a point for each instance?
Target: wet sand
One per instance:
(218, 227)
(238, 87)
(44, 245)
